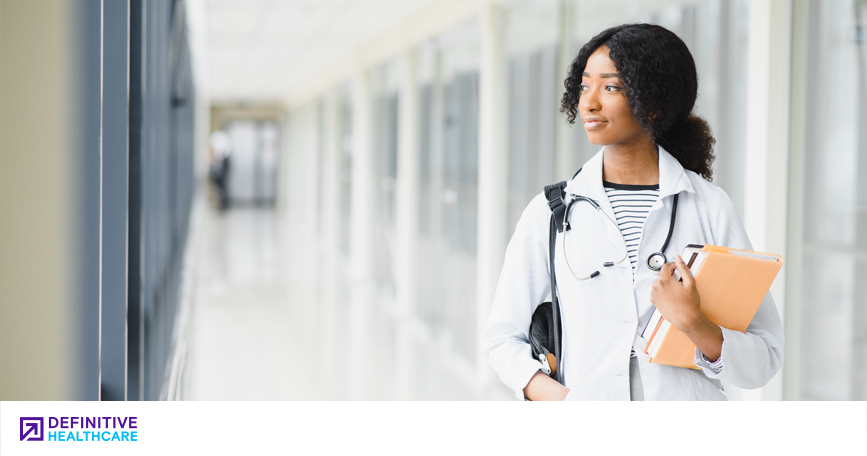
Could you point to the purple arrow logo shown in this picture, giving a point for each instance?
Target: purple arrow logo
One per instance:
(33, 426)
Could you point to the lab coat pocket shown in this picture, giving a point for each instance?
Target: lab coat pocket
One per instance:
(706, 389)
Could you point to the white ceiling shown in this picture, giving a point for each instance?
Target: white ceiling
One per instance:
(258, 50)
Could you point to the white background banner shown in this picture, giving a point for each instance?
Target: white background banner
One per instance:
(435, 427)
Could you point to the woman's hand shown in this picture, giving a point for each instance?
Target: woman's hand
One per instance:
(544, 388)
(680, 304)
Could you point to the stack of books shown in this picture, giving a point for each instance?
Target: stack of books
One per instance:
(731, 283)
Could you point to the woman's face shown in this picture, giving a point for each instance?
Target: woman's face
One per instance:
(603, 107)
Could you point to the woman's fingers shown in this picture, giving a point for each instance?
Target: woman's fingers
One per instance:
(666, 270)
(685, 273)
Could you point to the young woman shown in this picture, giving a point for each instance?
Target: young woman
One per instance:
(633, 87)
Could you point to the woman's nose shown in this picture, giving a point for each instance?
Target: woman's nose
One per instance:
(590, 101)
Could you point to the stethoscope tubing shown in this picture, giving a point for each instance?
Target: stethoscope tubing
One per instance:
(653, 267)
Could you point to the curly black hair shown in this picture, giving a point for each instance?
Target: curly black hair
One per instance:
(661, 86)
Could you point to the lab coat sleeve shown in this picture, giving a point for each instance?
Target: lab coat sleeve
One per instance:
(524, 282)
(750, 359)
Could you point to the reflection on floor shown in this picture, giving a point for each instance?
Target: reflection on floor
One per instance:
(267, 326)
(241, 336)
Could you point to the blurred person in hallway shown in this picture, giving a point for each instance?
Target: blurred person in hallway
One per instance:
(221, 150)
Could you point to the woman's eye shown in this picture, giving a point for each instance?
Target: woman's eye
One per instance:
(612, 88)
(583, 88)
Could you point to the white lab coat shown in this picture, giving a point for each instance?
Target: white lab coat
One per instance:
(603, 317)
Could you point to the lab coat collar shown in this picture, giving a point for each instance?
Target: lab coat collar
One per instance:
(672, 180)
(672, 177)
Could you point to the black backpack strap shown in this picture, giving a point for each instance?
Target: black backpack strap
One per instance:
(554, 193)
(555, 299)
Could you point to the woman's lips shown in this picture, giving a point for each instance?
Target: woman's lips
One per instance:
(593, 123)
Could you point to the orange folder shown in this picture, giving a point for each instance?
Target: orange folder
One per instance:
(732, 284)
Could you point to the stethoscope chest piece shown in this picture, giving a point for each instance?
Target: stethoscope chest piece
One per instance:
(655, 261)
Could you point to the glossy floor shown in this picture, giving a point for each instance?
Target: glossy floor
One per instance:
(267, 326)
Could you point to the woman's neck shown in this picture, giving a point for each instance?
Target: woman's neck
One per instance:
(631, 165)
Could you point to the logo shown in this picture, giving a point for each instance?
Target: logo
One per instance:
(79, 429)
(32, 428)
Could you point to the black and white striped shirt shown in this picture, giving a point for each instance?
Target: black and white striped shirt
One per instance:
(631, 204)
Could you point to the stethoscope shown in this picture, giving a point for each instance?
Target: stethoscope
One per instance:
(654, 262)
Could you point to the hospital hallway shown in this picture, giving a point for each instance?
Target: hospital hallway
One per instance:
(315, 200)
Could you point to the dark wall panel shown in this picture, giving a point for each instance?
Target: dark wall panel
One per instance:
(135, 174)
(115, 165)
(89, 87)
(135, 309)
